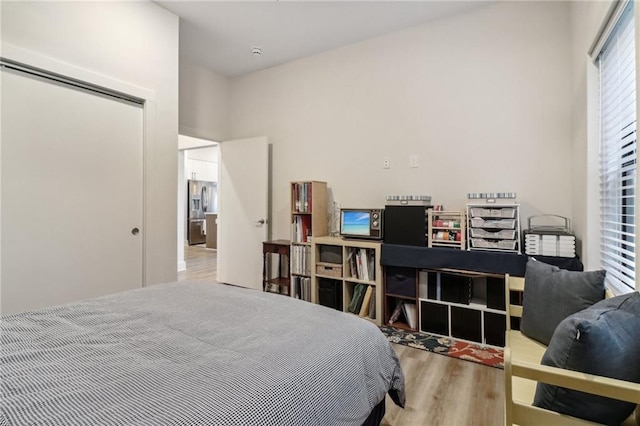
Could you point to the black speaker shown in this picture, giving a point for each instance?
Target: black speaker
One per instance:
(405, 225)
(330, 293)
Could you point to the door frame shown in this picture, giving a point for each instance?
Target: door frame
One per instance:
(186, 142)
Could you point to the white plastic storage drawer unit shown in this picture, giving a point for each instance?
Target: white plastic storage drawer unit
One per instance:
(495, 227)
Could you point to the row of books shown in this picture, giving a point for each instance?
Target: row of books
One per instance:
(301, 260)
(301, 229)
(301, 287)
(405, 312)
(363, 302)
(302, 197)
(361, 263)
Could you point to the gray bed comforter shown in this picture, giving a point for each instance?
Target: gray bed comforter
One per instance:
(193, 354)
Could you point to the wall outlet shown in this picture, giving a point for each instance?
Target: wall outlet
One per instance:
(386, 163)
(413, 161)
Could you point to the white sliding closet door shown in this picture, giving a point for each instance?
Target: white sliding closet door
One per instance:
(71, 193)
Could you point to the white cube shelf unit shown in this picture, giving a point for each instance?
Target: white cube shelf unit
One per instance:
(342, 269)
(463, 305)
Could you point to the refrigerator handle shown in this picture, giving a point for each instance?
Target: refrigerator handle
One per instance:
(204, 197)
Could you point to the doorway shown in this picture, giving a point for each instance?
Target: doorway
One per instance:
(197, 200)
(243, 224)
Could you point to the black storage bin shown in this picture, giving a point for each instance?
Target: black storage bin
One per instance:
(330, 254)
(400, 281)
(432, 285)
(495, 327)
(466, 324)
(330, 293)
(434, 318)
(456, 288)
(496, 293)
(405, 225)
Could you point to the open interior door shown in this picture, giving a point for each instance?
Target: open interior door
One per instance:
(243, 188)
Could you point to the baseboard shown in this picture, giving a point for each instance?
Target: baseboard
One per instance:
(182, 266)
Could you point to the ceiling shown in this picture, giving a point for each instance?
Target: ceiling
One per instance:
(222, 34)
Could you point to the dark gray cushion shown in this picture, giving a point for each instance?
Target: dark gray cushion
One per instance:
(551, 294)
(603, 340)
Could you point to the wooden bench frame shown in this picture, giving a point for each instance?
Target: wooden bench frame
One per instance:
(522, 372)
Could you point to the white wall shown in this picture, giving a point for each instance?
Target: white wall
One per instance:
(586, 19)
(483, 99)
(188, 142)
(204, 97)
(182, 210)
(204, 105)
(202, 163)
(135, 43)
(208, 154)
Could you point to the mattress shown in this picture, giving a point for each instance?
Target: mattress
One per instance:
(190, 353)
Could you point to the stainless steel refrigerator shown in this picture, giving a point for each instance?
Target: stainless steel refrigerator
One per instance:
(202, 198)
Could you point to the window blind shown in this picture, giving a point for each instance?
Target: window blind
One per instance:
(618, 158)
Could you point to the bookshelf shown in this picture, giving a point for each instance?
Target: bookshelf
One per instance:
(308, 220)
(344, 272)
(463, 304)
(439, 281)
(400, 288)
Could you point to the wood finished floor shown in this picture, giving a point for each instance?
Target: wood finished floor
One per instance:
(440, 390)
(202, 264)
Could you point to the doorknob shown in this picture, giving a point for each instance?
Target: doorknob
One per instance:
(261, 222)
(135, 231)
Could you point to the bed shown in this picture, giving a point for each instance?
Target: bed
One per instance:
(190, 353)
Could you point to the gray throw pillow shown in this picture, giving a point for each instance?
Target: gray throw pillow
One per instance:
(551, 294)
(603, 340)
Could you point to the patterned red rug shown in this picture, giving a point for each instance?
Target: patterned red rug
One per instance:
(486, 355)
